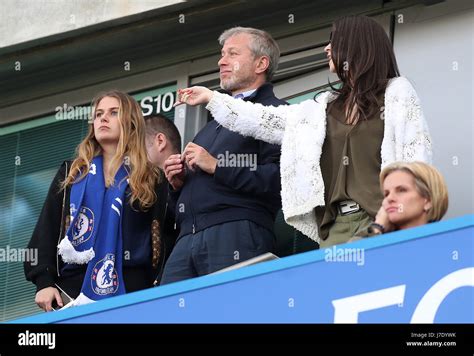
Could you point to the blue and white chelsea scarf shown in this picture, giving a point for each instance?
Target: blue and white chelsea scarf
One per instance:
(95, 233)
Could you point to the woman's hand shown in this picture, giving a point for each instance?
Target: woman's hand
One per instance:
(45, 297)
(382, 219)
(193, 96)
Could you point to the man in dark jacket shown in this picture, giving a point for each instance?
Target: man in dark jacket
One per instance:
(227, 186)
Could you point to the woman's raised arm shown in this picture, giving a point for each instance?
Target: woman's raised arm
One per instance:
(266, 123)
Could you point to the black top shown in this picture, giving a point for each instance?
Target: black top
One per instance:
(136, 233)
(233, 192)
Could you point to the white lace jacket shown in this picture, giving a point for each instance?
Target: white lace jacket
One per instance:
(301, 129)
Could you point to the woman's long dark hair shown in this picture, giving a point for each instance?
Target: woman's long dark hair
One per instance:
(364, 59)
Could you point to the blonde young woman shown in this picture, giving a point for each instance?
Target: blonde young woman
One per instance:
(101, 231)
(334, 147)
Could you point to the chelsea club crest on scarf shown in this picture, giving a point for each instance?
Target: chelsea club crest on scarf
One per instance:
(104, 279)
(83, 227)
(94, 237)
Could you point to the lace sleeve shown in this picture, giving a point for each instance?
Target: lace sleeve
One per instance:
(417, 144)
(266, 123)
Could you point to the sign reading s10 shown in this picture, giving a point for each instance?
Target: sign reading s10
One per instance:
(161, 103)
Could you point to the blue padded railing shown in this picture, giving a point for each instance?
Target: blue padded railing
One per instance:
(419, 275)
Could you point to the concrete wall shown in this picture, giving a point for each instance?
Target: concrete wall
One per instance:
(434, 48)
(26, 20)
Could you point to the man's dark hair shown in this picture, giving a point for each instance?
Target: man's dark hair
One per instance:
(158, 123)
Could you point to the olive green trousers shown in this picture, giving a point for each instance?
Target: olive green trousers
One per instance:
(345, 227)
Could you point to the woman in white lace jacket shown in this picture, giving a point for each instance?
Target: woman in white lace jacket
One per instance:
(361, 54)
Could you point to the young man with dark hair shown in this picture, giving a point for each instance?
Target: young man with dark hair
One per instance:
(162, 139)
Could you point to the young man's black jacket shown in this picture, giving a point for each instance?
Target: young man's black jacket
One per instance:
(138, 270)
(232, 193)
